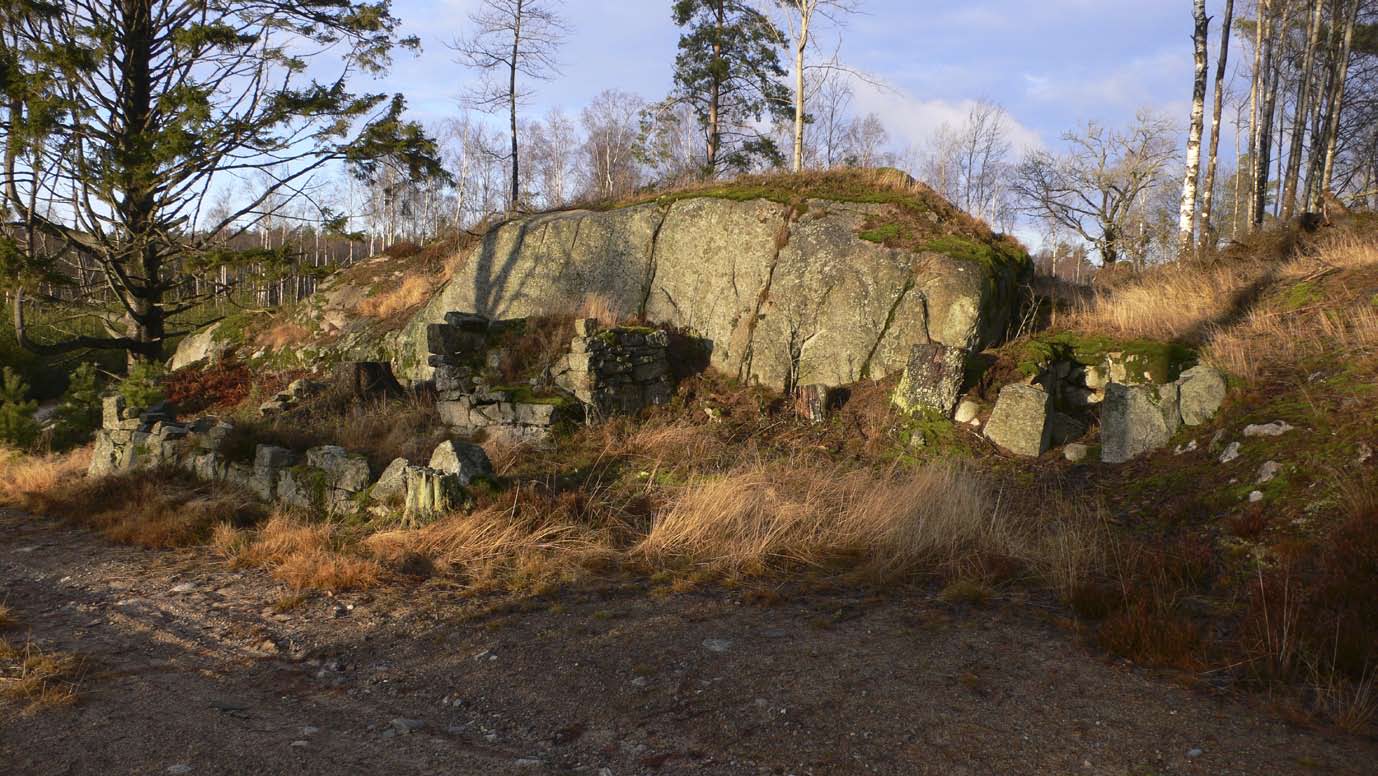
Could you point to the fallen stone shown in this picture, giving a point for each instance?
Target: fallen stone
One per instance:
(1269, 471)
(464, 459)
(717, 645)
(931, 380)
(1202, 393)
(1189, 447)
(967, 412)
(1076, 453)
(391, 487)
(1231, 452)
(1255, 497)
(406, 726)
(343, 471)
(1275, 429)
(1137, 419)
(1019, 422)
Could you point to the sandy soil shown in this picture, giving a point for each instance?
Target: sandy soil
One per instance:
(189, 669)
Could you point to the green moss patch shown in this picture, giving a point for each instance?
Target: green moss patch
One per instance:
(881, 233)
(1165, 361)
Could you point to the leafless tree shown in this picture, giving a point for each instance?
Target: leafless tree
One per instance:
(1212, 156)
(866, 139)
(610, 122)
(1303, 109)
(1093, 188)
(511, 40)
(553, 146)
(802, 20)
(970, 164)
(1187, 212)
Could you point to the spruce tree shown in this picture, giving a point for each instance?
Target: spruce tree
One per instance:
(118, 116)
(728, 70)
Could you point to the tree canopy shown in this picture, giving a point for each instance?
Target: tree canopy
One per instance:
(119, 117)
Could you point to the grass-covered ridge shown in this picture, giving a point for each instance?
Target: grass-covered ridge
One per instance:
(917, 218)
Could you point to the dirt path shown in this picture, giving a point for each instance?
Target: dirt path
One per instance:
(211, 679)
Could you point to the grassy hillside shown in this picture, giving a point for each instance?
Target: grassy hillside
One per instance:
(1176, 559)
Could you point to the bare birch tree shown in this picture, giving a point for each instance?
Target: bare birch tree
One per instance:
(1294, 154)
(511, 40)
(803, 17)
(1187, 222)
(1212, 155)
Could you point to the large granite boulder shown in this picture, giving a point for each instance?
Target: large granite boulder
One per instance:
(783, 295)
(1136, 419)
(1020, 421)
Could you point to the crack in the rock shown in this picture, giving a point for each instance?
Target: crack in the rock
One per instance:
(782, 239)
(651, 268)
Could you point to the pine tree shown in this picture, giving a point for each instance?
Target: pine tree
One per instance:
(128, 111)
(17, 425)
(728, 71)
(79, 413)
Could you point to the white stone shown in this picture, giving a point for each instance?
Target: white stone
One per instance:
(1275, 429)
(1268, 471)
(1231, 453)
(967, 412)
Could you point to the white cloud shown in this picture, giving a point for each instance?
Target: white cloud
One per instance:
(912, 121)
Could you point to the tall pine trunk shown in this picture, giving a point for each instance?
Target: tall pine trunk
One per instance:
(1208, 196)
(1303, 111)
(1256, 86)
(1187, 222)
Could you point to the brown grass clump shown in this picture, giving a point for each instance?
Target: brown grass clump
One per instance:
(155, 509)
(34, 679)
(303, 555)
(25, 479)
(789, 514)
(1169, 303)
(6, 617)
(409, 294)
(283, 334)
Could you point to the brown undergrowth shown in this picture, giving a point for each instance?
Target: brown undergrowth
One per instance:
(33, 679)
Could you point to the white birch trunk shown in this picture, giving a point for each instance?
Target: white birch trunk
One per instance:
(1187, 221)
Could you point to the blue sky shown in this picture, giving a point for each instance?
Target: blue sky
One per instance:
(1051, 63)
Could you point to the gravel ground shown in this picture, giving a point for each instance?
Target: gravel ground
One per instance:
(191, 667)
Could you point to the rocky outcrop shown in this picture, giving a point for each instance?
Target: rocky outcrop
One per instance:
(781, 295)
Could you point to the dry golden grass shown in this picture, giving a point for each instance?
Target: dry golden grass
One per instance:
(284, 334)
(784, 514)
(1168, 303)
(498, 546)
(601, 308)
(34, 679)
(412, 292)
(303, 555)
(154, 509)
(25, 479)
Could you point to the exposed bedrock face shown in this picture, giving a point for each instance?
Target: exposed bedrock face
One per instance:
(783, 296)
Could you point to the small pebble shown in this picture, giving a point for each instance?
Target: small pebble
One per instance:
(1255, 497)
(1194, 753)
(717, 645)
(179, 768)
